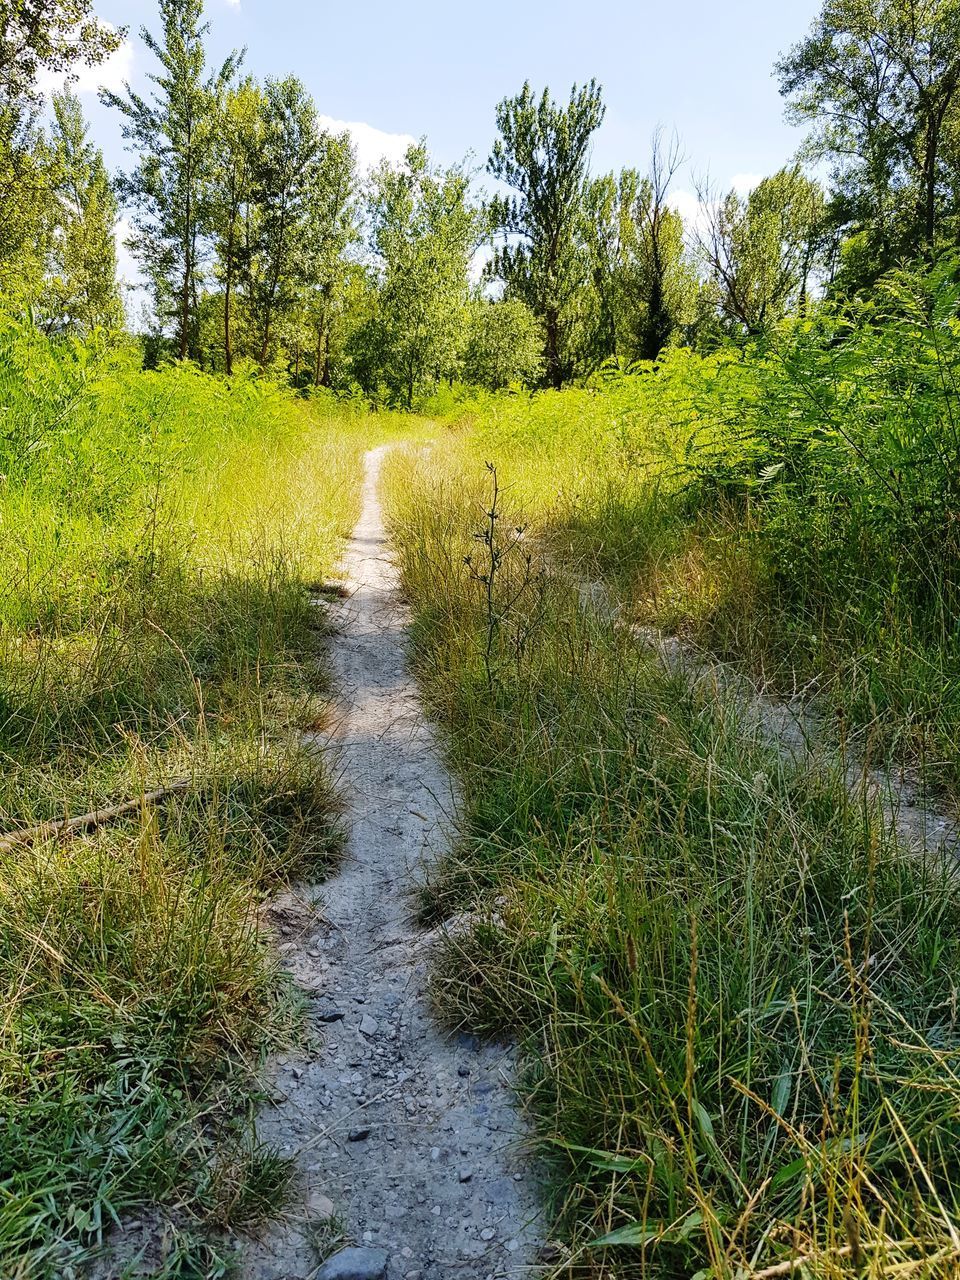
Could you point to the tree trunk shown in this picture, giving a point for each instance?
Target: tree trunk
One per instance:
(265, 345)
(227, 299)
(326, 379)
(185, 310)
(187, 258)
(552, 349)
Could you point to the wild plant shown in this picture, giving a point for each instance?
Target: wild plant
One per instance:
(500, 550)
(155, 623)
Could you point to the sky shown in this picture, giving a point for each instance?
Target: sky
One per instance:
(396, 72)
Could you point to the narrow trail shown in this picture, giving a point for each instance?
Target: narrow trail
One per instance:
(408, 1136)
(794, 727)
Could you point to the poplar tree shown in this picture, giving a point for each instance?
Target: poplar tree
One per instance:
(424, 233)
(289, 150)
(239, 136)
(542, 155)
(330, 230)
(35, 36)
(81, 291)
(172, 132)
(644, 280)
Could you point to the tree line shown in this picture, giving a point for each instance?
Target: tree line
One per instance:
(260, 241)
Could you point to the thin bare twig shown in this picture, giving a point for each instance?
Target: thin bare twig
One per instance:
(66, 827)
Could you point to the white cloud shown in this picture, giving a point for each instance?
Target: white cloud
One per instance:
(372, 145)
(744, 183)
(111, 74)
(696, 212)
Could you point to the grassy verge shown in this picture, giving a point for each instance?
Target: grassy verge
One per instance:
(162, 533)
(737, 996)
(793, 507)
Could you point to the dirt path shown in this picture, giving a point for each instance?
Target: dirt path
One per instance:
(407, 1135)
(793, 727)
(798, 732)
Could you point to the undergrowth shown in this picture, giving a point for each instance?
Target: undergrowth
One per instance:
(163, 533)
(737, 996)
(791, 506)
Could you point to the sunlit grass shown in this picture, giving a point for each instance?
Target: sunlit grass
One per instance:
(736, 993)
(163, 536)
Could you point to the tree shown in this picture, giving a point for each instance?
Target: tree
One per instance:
(879, 80)
(612, 236)
(644, 283)
(239, 136)
(35, 36)
(24, 210)
(331, 227)
(173, 134)
(424, 232)
(762, 250)
(285, 173)
(81, 291)
(542, 156)
(48, 35)
(504, 344)
(667, 282)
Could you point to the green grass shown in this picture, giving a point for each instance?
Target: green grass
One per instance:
(736, 995)
(164, 533)
(792, 508)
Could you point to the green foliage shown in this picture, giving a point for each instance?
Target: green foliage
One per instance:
(424, 231)
(793, 505)
(238, 139)
(172, 135)
(288, 153)
(330, 232)
(161, 532)
(24, 211)
(643, 278)
(47, 35)
(880, 82)
(503, 345)
(57, 207)
(283, 216)
(763, 249)
(80, 292)
(542, 155)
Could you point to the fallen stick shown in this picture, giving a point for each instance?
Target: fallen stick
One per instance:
(86, 821)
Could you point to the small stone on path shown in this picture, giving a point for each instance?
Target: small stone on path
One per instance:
(355, 1264)
(320, 1206)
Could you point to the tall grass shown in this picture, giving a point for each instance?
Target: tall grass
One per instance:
(793, 506)
(736, 994)
(161, 535)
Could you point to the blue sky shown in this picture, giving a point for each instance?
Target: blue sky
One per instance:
(398, 72)
(438, 69)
